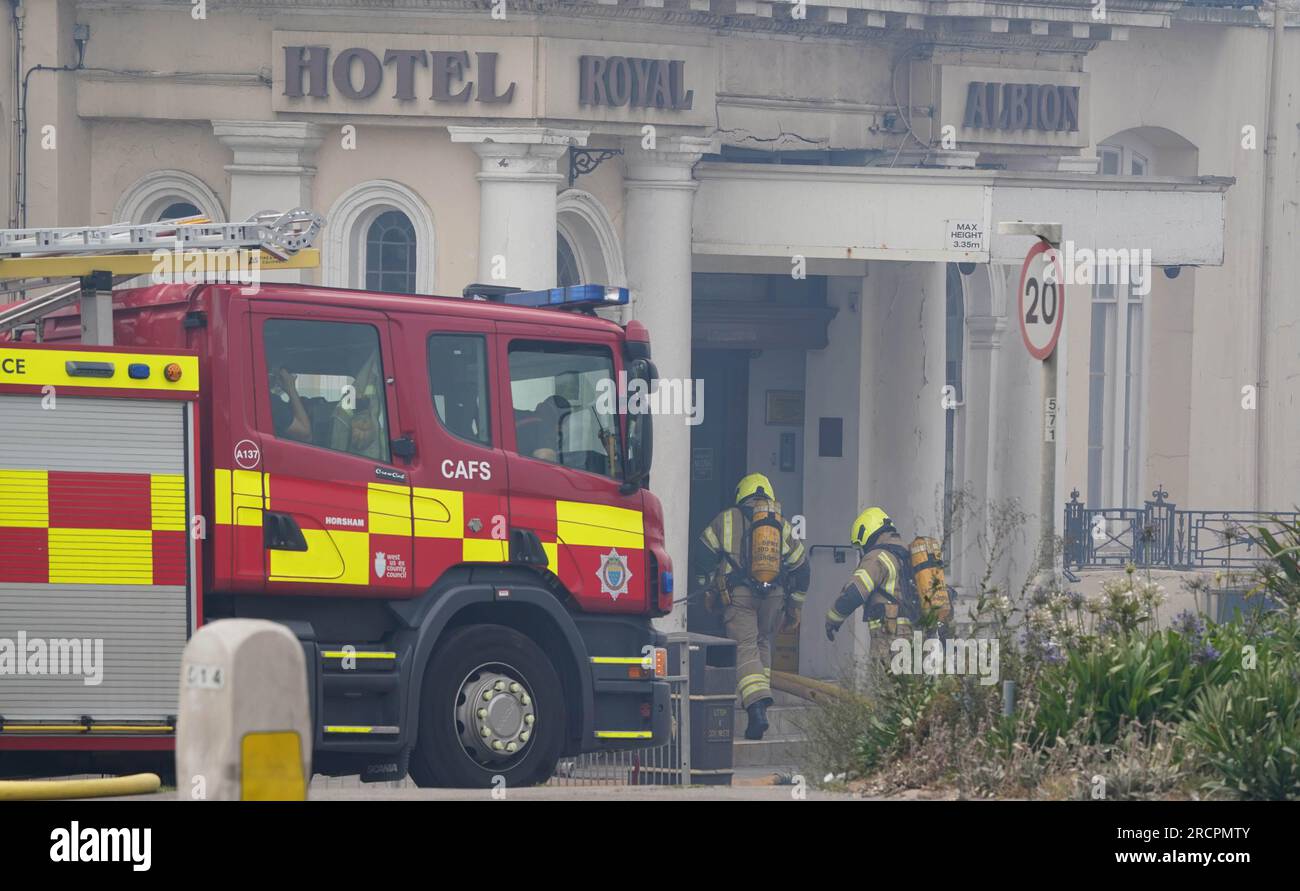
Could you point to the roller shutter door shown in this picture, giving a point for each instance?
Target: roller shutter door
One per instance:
(96, 566)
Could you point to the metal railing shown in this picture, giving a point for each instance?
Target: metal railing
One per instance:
(1159, 535)
(667, 764)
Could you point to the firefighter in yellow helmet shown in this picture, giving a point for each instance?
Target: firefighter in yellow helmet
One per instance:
(759, 579)
(881, 582)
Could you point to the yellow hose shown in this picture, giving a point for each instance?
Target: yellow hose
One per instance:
(808, 688)
(46, 790)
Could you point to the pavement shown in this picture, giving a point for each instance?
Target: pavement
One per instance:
(584, 793)
(748, 784)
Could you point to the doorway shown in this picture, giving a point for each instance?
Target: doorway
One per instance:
(718, 453)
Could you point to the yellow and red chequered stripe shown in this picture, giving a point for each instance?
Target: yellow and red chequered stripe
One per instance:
(438, 525)
(588, 532)
(62, 527)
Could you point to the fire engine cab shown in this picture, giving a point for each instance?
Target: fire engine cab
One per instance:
(437, 495)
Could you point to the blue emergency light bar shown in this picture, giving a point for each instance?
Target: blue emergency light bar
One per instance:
(572, 297)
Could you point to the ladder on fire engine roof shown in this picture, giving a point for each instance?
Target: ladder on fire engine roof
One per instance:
(79, 263)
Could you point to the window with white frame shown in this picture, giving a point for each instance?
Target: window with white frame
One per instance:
(390, 251)
(380, 237)
(1121, 160)
(1117, 368)
(167, 195)
(566, 263)
(179, 210)
(1116, 396)
(586, 244)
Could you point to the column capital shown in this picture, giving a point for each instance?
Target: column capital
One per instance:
(509, 153)
(986, 331)
(668, 165)
(270, 146)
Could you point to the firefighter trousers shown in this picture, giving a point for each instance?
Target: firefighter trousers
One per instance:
(752, 621)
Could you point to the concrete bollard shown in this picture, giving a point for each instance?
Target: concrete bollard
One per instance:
(244, 726)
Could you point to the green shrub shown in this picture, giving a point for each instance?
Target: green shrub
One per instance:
(1134, 676)
(1246, 731)
(1280, 577)
(898, 719)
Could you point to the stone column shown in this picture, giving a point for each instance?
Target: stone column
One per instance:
(660, 190)
(984, 342)
(273, 169)
(904, 415)
(519, 176)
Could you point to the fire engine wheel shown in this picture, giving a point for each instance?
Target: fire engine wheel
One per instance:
(491, 705)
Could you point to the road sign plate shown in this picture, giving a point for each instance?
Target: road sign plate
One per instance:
(1042, 299)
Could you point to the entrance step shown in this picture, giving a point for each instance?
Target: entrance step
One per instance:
(770, 751)
(763, 776)
(783, 720)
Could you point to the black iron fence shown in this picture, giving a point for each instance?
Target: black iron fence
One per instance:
(1159, 535)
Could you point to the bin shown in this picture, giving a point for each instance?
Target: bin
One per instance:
(712, 664)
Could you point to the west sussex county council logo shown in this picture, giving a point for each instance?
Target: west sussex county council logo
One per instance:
(613, 574)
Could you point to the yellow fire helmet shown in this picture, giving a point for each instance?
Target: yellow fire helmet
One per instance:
(754, 484)
(868, 524)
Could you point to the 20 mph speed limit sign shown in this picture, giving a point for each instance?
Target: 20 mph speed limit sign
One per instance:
(1042, 299)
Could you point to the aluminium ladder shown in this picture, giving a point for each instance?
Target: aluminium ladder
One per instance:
(78, 263)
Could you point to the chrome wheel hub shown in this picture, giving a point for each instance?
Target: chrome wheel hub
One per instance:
(495, 715)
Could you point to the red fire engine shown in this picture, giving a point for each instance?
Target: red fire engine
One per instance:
(437, 495)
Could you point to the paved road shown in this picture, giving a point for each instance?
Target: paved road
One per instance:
(589, 793)
(751, 785)
(563, 793)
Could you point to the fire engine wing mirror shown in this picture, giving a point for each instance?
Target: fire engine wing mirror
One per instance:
(640, 426)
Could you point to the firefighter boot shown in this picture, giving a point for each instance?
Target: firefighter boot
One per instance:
(757, 719)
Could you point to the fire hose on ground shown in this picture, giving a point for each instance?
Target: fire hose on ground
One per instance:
(98, 787)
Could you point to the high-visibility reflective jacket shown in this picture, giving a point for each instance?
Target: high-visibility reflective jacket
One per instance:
(725, 542)
(880, 585)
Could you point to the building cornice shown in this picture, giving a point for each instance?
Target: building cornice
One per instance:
(1066, 22)
(717, 170)
(1249, 17)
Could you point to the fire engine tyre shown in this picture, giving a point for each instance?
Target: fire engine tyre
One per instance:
(491, 705)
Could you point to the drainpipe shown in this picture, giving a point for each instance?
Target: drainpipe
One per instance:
(19, 13)
(1266, 252)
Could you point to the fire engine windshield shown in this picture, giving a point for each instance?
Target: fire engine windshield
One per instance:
(559, 413)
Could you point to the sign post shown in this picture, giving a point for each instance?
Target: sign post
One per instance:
(1041, 310)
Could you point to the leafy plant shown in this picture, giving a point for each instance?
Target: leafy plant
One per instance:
(898, 719)
(1281, 577)
(1247, 731)
(1131, 677)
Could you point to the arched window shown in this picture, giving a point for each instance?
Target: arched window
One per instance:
(566, 263)
(587, 248)
(166, 195)
(390, 253)
(179, 210)
(379, 237)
